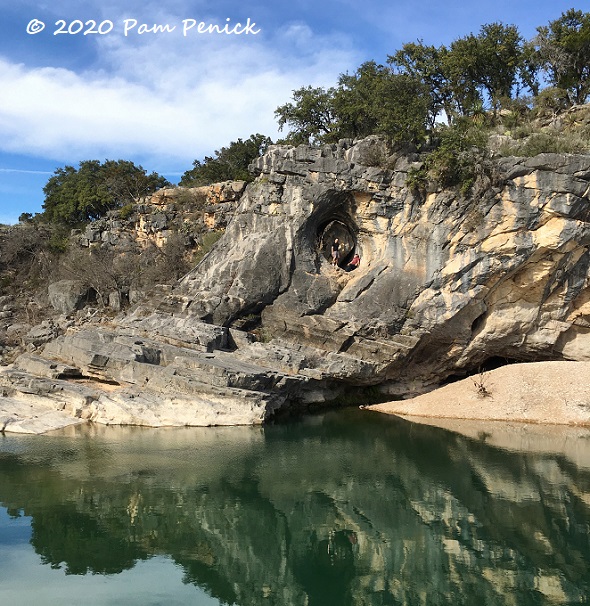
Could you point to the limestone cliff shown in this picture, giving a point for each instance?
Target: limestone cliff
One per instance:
(168, 211)
(446, 283)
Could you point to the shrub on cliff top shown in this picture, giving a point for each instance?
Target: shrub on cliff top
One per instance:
(455, 159)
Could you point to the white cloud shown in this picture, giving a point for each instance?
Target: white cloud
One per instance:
(163, 96)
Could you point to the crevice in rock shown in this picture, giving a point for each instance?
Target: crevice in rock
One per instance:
(91, 379)
(346, 345)
(478, 323)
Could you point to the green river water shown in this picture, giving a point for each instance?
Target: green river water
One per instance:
(342, 509)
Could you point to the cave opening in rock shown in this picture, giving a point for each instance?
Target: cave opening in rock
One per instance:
(494, 362)
(346, 237)
(486, 366)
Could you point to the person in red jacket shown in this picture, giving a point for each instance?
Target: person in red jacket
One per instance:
(354, 263)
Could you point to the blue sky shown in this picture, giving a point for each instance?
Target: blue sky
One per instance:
(163, 99)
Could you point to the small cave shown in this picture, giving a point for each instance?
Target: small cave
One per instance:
(331, 231)
(494, 362)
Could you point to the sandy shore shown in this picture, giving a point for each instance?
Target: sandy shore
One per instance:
(540, 392)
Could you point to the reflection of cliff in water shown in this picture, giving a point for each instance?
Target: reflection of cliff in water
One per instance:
(342, 509)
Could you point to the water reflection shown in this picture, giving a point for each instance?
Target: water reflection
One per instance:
(343, 509)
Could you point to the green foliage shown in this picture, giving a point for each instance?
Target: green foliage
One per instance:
(542, 142)
(190, 200)
(229, 164)
(516, 112)
(550, 102)
(207, 242)
(426, 64)
(75, 196)
(474, 69)
(310, 117)
(454, 160)
(58, 242)
(498, 59)
(485, 67)
(126, 211)
(373, 100)
(521, 132)
(563, 52)
(417, 179)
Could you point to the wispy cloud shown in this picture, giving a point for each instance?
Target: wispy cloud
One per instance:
(164, 97)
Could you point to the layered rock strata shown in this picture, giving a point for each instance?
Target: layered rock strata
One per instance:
(156, 217)
(446, 284)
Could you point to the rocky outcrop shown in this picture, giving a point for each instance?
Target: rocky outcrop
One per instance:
(446, 284)
(154, 219)
(181, 375)
(67, 296)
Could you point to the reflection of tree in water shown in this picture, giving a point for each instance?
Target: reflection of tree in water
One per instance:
(214, 582)
(62, 535)
(343, 511)
(65, 531)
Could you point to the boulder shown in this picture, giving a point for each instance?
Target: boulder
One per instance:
(43, 333)
(67, 296)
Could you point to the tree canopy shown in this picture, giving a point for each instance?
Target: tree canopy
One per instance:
(477, 73)
(372, 100)
(311, 116)
(229, 163)
(563, 51)
(76, 195)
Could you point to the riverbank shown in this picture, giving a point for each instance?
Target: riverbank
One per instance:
(549, 393)
(539, 392)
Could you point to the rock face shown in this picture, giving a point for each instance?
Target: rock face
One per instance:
(155, 218)
(446, 284)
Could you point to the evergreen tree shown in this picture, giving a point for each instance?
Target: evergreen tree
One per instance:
(229, 163)
(563, 52)
(90, 191)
